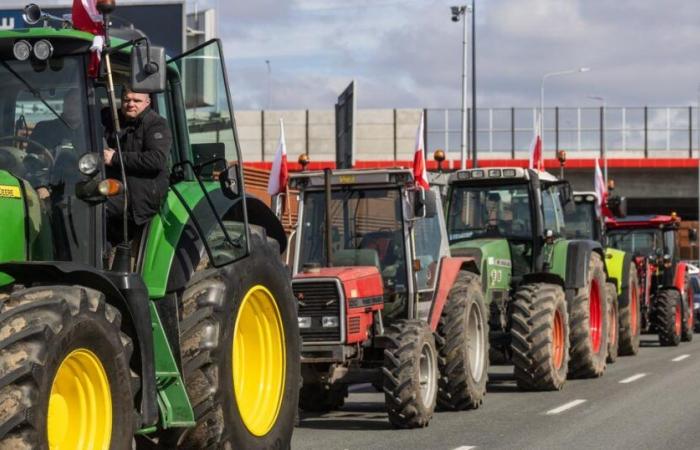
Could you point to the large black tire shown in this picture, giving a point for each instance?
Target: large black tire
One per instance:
(211, 305)
(540, 337)
(613, 322)
(463, 346)
(688, 317)
(589, 327)
(321, 399)
(42, 327)
(666, 312)
(410, 374)
(630, 315)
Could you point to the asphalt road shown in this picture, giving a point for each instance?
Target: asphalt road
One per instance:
(647, 401)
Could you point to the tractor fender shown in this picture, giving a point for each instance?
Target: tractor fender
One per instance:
(578, 253)
(126, 292)
(447, 274)
(679, 277)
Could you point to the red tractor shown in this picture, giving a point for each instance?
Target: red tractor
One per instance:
(381, 301)
(667, 301)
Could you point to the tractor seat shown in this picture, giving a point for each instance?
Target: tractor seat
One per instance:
(358, 257)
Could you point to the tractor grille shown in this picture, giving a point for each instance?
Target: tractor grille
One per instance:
(353, 325)
(317, 299)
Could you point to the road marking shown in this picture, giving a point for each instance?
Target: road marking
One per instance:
(464, 447)
(680, 358)
(633, 378)
(565, 406)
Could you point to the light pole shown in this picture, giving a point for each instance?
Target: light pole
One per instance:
(460, 13)
(269, 75)
(603, 147)
(544, 77)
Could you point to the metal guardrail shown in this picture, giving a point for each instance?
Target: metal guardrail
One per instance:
(637, 131)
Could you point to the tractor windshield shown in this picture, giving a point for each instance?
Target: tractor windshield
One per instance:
(636, 241)
(367, 230)
(580, 221)
(43, 120)
(490, 211)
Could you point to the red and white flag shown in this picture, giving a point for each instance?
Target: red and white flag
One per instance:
(420, 174)
(279, 173)
(86, 18)
(602, 191)
(536, 161)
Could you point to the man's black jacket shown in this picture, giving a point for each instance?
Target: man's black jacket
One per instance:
(145, 143)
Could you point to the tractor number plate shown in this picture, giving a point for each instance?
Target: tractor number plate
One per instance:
(347, 179)
(10, 191)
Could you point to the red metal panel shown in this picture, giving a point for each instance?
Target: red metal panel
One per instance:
(449, 268)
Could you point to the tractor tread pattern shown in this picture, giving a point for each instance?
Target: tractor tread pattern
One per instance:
(534, 307)
(664, 316)
(628, 343)
(613, 323)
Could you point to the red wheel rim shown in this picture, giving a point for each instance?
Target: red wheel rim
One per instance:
(634, 306)
(678, 318)
(558, 340)
(690, 311)
(613, 326)
(595, 316)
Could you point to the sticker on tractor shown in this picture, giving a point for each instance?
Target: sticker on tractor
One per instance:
(10, 191)
(347, 179)
(498, 262)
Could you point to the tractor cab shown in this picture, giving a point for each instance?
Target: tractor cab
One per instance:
(514, 209)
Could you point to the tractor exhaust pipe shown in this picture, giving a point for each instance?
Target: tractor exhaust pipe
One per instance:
(327, 190)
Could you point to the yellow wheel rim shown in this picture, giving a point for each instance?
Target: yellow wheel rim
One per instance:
(80, 405)
(259, 360)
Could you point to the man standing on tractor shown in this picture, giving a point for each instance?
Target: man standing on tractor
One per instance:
(145, 141)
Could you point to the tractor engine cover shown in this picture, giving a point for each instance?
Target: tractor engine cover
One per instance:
(344, 296)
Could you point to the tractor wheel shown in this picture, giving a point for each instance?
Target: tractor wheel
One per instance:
(630, 315)
(688, 319)
(64, 365)
(463, 346)
(240, 354)
(410, 374)
(588, 322)
(667, 316)
(321, 399)
(614, 324)
(540, 337)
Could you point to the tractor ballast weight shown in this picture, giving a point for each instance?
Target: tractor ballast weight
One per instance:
(537, 284)
(377, 290)
(159, 341)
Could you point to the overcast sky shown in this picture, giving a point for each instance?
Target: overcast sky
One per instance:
(407, 53)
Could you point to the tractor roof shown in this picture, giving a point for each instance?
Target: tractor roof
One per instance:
(505, 173)
(643, 221)
(56, 35)
(351, 177)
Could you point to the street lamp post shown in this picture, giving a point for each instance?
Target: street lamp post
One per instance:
(460, 13)
(544, 77)
(603, 147)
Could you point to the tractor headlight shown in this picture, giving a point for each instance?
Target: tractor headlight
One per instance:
(330, 322)
(88, 164)
(478, 173)
(696, 305)
(43, 50)
(22, 50)
(463, 175)
(304, 322)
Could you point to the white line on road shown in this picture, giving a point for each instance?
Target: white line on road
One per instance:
(565, 406)
(464, 447)
(633, 378)
(680, 358)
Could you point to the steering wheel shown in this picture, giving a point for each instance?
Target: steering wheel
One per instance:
(48, 161)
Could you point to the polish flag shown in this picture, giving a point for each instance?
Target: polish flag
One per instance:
(86, 18)
(536, 161)
(602, 190)
(279, 174)
(420, 174)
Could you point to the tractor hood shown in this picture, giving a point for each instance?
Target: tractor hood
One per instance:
(491, 248)
(357, 281)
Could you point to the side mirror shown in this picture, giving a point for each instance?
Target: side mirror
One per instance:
(424, 204)
(147, 69)
(230, 181)
(693, 234)
(617, 206)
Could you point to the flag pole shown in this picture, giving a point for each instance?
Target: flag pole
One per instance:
(289, 208)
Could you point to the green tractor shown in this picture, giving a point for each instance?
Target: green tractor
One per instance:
(583, 221)
(183, 336)
(546, 295)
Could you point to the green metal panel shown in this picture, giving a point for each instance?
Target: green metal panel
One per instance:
(495, 266)
(556, 254)
(175, 407)
(614, 263)
(164, 235)
(12, 222)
